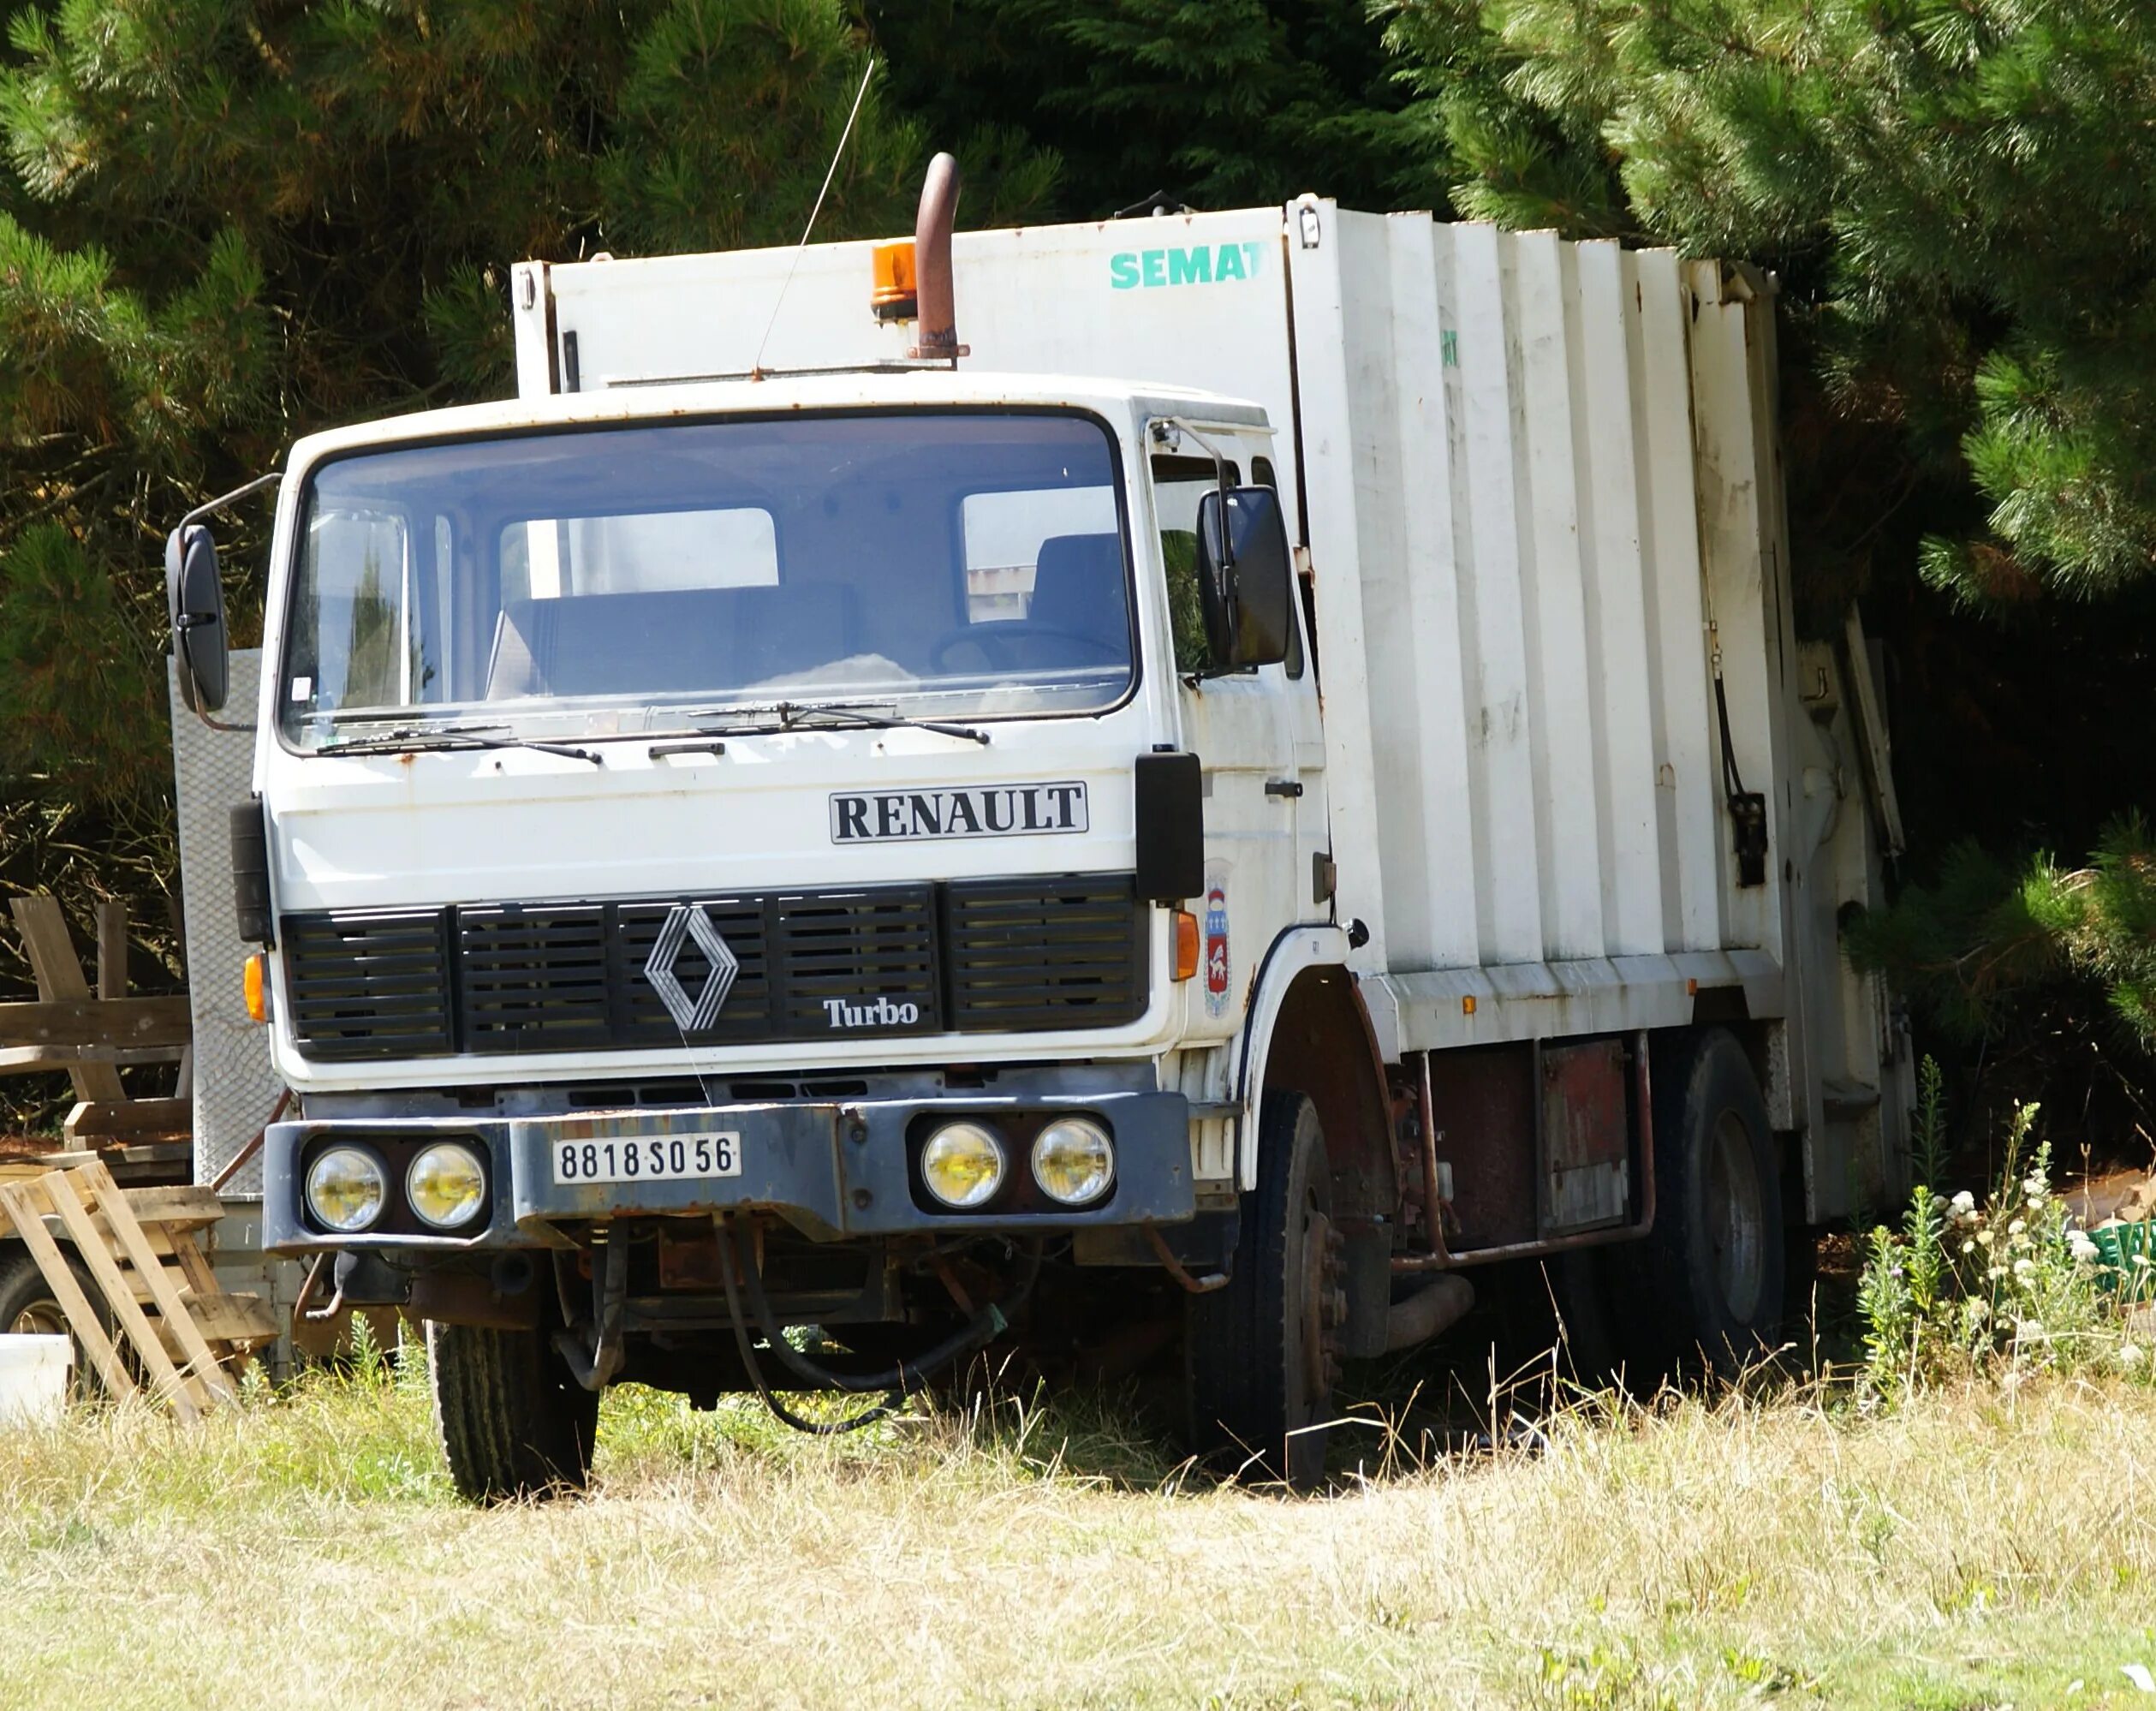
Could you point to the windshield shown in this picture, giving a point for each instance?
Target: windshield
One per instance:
(643, 579)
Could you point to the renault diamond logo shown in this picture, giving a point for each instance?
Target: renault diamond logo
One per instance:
(688, 920)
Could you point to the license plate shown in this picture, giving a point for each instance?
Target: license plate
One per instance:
(648, 1157)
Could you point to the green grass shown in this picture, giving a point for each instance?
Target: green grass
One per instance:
(1971, 1548)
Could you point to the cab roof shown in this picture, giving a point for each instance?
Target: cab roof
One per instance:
(938, 389)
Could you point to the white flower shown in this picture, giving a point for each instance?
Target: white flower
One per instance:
(1996, 1272)
(1962, 1204)
(2017, 1227)
(2130, 1353)
(2085, 1251)
(2034, 1186)
(2023, 1268)
(2028, 1331)
(1968, 1247)
(1983, 1238)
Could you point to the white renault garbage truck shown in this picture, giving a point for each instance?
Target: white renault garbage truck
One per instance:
(1262, 754)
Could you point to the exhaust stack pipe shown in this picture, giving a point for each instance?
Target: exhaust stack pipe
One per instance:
(935, 328)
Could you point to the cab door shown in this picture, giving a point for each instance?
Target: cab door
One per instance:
(1242, 727)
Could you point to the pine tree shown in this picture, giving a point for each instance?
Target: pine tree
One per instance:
(1968, 189)
(1217, 103)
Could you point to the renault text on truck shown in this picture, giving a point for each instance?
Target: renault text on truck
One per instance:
(1277, 771)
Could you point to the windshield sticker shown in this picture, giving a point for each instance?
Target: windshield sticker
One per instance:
(1203, 263)
(998, 811)
(1216, 938)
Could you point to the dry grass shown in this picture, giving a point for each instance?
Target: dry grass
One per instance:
(1971, 1550)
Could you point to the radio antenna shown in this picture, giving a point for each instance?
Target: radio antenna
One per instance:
(756, 369)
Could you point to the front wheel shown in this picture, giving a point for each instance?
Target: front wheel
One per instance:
(1263, 1354)
(513, 1421)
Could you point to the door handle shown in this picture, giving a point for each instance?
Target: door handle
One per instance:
(1283, 787)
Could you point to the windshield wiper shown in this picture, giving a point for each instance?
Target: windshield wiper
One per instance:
(414, 738)
(824, 716)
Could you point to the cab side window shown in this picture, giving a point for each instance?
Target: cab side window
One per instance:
(1178, 483)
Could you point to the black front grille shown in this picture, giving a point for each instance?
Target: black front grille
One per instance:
(533, 980)
(975, 955)
(369, 983)
(1023, 956)
(869, 953)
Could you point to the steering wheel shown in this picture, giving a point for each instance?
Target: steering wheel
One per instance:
(1011, 644)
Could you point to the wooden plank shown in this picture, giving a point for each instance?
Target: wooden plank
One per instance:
(201, 1278)
(112, 949)
(175, 1207)
(114, 1205)
(59, 1275)
(52, 959)
(38, 1060)
(89, 1243)
(233, 1317)
(98, 1022)
(128, 1117)
(160, 1243)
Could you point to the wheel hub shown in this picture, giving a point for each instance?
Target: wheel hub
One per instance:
(1735, 1217)
(1325, 1304)
(40, 1319)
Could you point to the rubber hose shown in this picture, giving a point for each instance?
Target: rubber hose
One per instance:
(984, 1325)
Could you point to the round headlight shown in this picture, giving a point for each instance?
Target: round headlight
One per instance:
(446, 1185)
(346, 1189)
(1074, 1160)
(963, 1165)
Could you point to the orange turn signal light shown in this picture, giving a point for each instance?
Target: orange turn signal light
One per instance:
(894, 297)
(1467, 1004)
(1186, 945)
(255, 979)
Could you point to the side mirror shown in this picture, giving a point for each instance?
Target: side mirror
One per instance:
(195, 598)
(1246, 577)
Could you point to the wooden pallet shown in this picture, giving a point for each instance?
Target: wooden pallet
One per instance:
(189, 1337)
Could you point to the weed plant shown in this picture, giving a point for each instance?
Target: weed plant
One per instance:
(1996, 1291)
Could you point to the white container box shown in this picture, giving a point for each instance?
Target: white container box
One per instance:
(33, 1379)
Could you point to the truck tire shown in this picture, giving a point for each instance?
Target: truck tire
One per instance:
(512, 1421)
(1708, 1279)
(28, 1306)
(1262, 1354)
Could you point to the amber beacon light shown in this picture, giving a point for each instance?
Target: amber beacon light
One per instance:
(894, 298)
(254, 979)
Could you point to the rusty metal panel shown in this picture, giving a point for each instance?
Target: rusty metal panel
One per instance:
(1586, 1133)
(1483, 1100)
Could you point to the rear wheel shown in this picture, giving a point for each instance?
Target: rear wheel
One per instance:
(513, 1421)
(1713, 1270)
(1263, 1354)
(29, 1308)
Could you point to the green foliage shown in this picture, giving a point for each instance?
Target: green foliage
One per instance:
(1994, 1290)
(1965, 188)
(1988, 939)
(76, 688)
(1217, 102)
(1928, 1145)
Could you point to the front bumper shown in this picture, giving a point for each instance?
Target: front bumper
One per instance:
(832, 1169)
